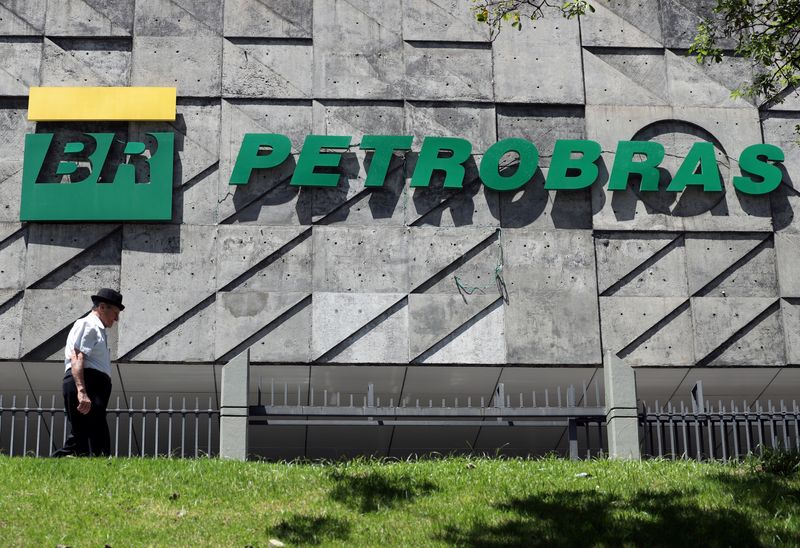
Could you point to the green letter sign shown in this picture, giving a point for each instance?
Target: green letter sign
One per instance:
(750, 162)
(90, 199)
(559, 178)
(430, 161)
(490, 165)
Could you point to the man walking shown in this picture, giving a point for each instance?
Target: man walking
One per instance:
(87, 378)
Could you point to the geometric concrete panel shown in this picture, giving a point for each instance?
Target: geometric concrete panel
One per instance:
(679, 20)
(544, 261)
(737, 331)
(763, 345)
(22, 17)
(96, 266)
(790, 311)
(358, 51)
(542, 125)
(557, 327)
(631, 77)
(286, 341)
(22, 58)
(242, 317)
(472, 205)
(9, 229)
(475, 123)
(779, 130)
(46, 315)
(691, 83)
(351, 203)
(258, 69)
(89, 18)
(267, 198)
(732, 265)
(57, 252)
(334, 117)
(13, 127)
(433, 318)
(437, 255)
(446, 329)
(534, 207)
(276, 19)
(169, 257)
(540, 64)
(385, 343)
(730, 130)
(191, 18)
(443, 72)
(86, 62)
(360, 260)
(623, 23)
(12, 256)
(451, 21)
(156, 60)
(264, 258)
(10, 323)
(344, 322)
(190, 340)
(152, 316)
(196, 169)
(651, 331)
(641, 265)
(787, 251)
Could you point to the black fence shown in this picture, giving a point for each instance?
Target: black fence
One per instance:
(173, 430)
(706, 432)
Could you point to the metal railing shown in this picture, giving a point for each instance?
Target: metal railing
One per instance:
(566, 409)
(723, 432)
(175, 430)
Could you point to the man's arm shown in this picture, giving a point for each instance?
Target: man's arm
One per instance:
(84, 403)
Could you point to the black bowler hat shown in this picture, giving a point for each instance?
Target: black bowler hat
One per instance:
(108, 296)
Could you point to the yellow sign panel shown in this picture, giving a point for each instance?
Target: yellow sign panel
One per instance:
(79, 104)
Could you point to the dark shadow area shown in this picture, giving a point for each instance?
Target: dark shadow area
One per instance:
(300, 530)
(372, 491)
(336, 204)
(383, 203)
(581, 518)
(693, 200)
(780, 203)
(517, 209)
(270, 188)
(429, 203)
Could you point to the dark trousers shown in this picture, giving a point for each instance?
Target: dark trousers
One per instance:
(89, 433)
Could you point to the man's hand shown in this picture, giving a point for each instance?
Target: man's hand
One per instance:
(84, 403)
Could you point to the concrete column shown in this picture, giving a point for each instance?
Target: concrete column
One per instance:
(233, 409)
(621, 409)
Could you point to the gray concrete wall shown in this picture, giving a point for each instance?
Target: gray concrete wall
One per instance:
(358, 275)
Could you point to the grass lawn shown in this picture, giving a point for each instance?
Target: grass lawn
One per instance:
(454, 501)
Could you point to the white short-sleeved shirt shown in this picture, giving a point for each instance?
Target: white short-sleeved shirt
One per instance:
(88, 335)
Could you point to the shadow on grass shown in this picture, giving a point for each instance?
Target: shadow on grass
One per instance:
(370, 491)
(305, 530)
(580, 518)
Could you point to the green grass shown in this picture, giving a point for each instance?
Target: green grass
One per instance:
(454, 501)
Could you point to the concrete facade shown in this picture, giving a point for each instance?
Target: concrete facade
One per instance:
(353, 275)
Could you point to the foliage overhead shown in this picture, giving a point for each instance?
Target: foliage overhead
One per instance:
(765, 31)
(496, 13)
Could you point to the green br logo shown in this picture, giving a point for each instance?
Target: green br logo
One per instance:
(96, 189)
